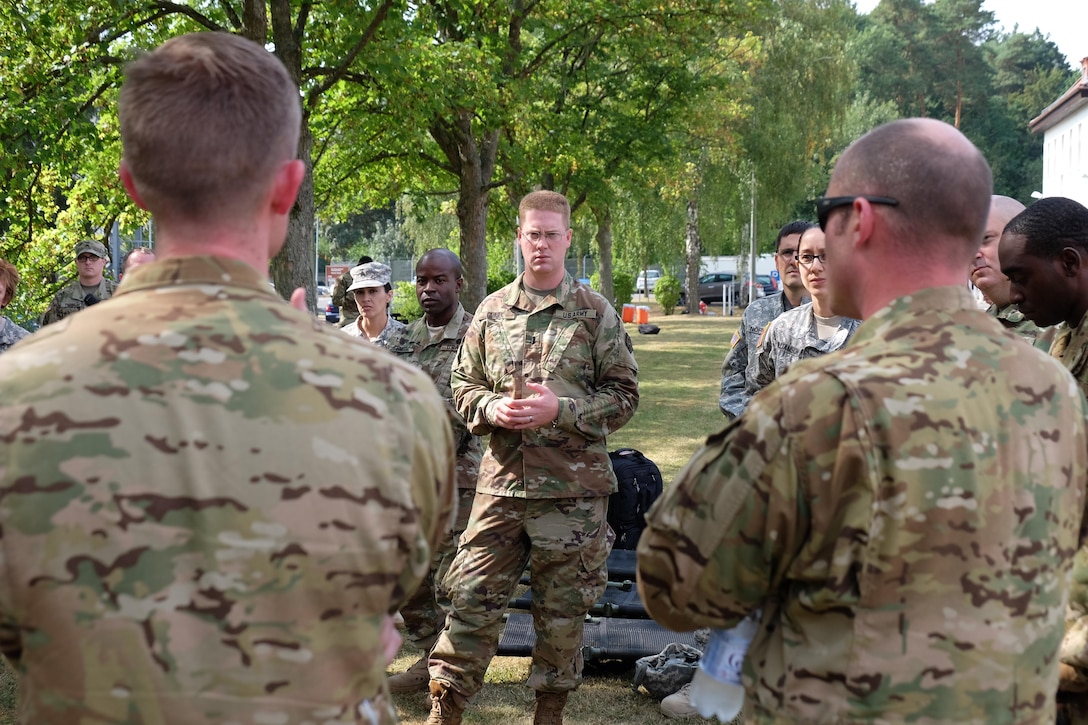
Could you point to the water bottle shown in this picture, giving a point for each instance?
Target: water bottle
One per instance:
(716, 689)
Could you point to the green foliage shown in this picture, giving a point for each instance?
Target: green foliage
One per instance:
(406, 307)
(499, 279)
(667, 293)
(623, 286)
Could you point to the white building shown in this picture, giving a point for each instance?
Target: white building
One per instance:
(1064, 125)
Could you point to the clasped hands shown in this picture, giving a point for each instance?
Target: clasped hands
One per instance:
(536, 411)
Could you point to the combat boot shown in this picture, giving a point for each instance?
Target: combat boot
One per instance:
(678, 704)
(447, 707)
(549, 708)
(413, 679)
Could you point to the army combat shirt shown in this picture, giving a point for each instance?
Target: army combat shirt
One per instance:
(209, 502)
(574, 343)
(905, 512)
(740, 364)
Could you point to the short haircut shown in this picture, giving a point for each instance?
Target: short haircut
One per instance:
(206, 118)
(943, 186)
(443, 253)
(798, 226)
(9, 275)
(1050, 225)
(136, 252)
(544, 200)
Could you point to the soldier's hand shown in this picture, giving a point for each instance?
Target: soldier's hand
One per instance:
(298, 299)
(536, 411)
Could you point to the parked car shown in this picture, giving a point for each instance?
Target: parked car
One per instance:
(332, 313)
(769, 286)
(646, 281)
(711, 287)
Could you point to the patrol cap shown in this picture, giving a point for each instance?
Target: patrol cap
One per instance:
(89, 246)
(371, 274)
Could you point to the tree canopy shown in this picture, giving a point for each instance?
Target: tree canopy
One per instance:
(425, 121)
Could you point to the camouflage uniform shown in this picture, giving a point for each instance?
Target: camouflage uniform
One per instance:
(1012, 319)
(790, 337)
(1071, 348)
(70, 300)
(543, 493)
(10, 333)
(423, 619)
(904, 511)
(209, 503)
(349, 311)
(392, 329)
(740, 362)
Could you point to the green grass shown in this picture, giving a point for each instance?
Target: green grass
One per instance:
(679, 380)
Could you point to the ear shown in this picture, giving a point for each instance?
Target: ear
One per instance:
(864, 222)
(460, 284)
(1071, 261)
(288, 179)
(130, 185)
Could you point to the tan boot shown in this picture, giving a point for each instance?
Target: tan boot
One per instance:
(413, 679)
(447, 706)
(549, 708)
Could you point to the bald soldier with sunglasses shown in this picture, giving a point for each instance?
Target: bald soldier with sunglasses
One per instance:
(903, 512)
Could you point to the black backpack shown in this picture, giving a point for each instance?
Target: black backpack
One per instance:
(639, 486)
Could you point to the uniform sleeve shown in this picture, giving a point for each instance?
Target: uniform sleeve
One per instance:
(764, 372)
(719, 538)
(734, 398)
(433, 480)
(614, 397)
(471, 383)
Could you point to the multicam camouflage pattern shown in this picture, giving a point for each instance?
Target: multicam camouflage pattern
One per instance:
(905, 511)
(392, 329)
(208, 503)
(740, 362)
(574, 343)
(349, 311)
(568, 566)
(1070, 346)
(424, 615)
(70, 300)
(1012, 319)
(10, 333)
(790, 337)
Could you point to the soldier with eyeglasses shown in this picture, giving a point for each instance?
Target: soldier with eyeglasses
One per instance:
(90, 286)
(548, 371)
(808, 331)
(740, 366)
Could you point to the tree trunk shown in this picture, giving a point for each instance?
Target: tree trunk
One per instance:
(603, 215)
(694, 249)
(473, 160)
(293, 266)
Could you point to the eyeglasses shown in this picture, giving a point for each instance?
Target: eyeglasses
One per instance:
(806, 260)
(826, 204)
(535, 235)
(87, 258)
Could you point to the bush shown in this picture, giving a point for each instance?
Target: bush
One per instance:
(623, 287)
(406, 307)
(667, 293)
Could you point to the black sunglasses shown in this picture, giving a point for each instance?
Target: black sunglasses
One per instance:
(825, 205)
